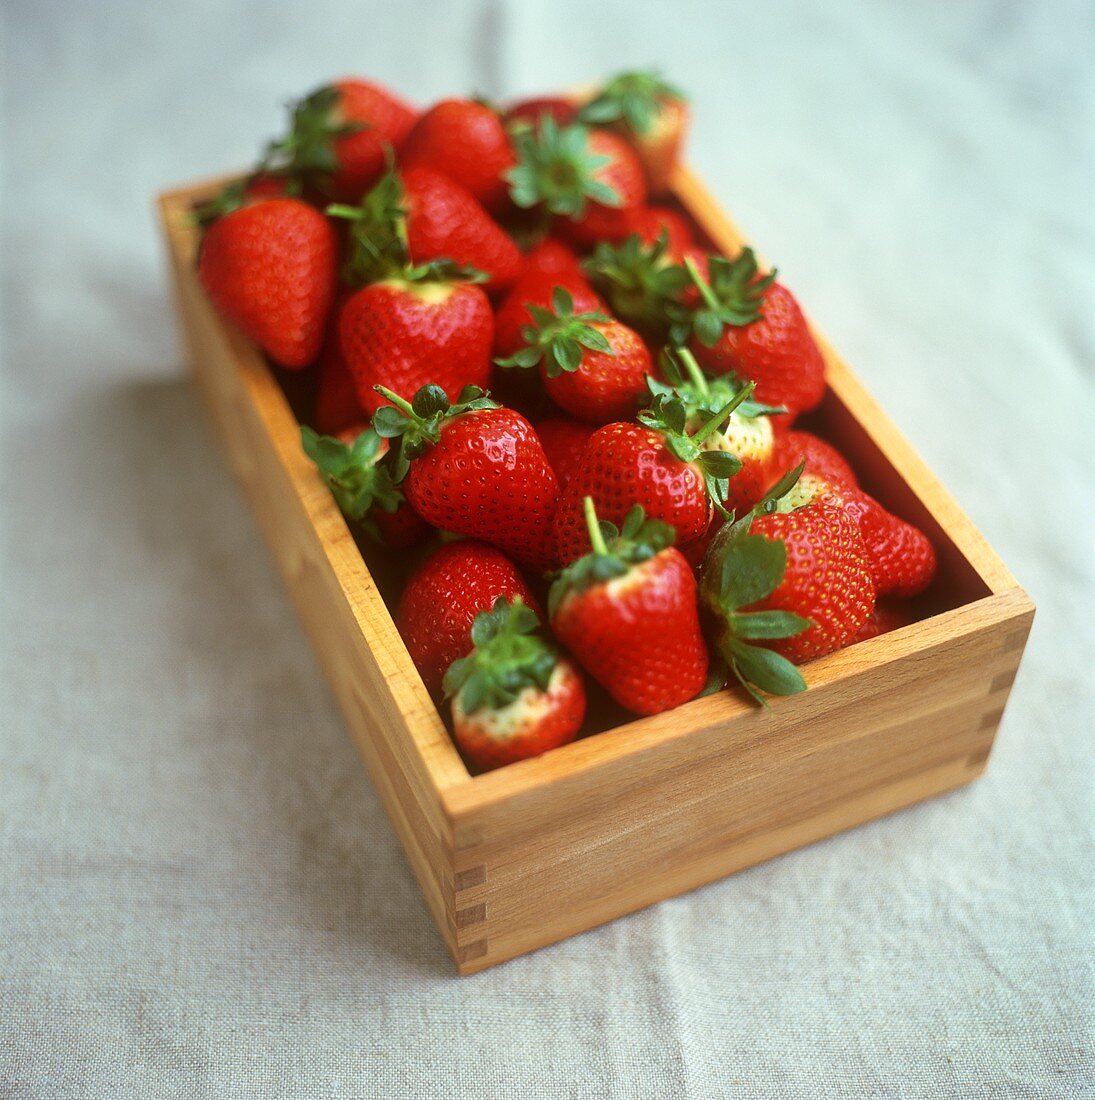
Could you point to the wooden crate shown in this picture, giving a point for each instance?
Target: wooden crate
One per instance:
(540, 850)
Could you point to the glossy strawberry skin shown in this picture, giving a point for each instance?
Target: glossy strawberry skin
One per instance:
(442, 598)
(649, 222)
(605, 387)
(404, 335)
(536, 722)
(564, 439)
(828, 578)
(624, 465)
(445, 221)
(465, 141)
(821, 459)
(753, 440)
(536, 289)
(624, 174)
(887, 615)
(385, 120)
(639, 635)
(488, 478)
(270, 268)
(778, 353)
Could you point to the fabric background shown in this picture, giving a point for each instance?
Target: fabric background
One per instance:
(200, 895)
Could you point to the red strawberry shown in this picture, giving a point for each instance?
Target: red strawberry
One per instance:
(627, 612)
(591, 178)
(439, 604)
(592, 366)
(530, 112)
(651, 113)
(650, 222)
(785, 586)
(336, 406)
(534, 289)
(445, 221)
(563, 440)
(340, 135)
(513, 696)
(466, 141)
(404, 334)
(753, 326)
(353, 466)
(887, 615)
(475, 469)
(270, 267)
(551, 257)
(819, 458)
(654, 464)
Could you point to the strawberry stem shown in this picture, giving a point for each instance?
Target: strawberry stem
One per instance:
(701, 284)
(596, 538)
(717, 419)
(695, 374)
(397, 401)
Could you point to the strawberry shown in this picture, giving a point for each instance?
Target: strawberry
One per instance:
(551, 257)
(752, 325)
(592, 366)
(530, 112)
(270, 268)
(648, 223)
(439, 604)
(353, 466)
(475, 469)
(590, 178)
(466, 141)
(641, 284)
(563, 439)
(535, 289)
(652, 114)
(655, 464)
(791, 575)
(421, 217)
(339, 137)
(818, 458)
(336, 406)
(627, 612)
(887, 615)
(404, 332)
(513, 696)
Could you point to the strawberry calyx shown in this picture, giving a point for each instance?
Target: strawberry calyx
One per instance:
(556, 170)
(308, 150)
(355, 473)
(732, 294)
(615, 551)
(702, 394)
(635, 98)
(237, 194)
(559, 335)
(417, 423)
(739, 570)
(509, 656)
(641, 284)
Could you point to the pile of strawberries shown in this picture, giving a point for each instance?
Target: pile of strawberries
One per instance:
(528, 368)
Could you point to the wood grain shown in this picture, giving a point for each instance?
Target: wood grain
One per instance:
(524, 856)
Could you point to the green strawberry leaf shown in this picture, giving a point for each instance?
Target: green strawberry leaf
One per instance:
(768, 625)
(766, 669)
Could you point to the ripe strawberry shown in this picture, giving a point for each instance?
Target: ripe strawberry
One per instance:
(475, 469)
(466, 141)
(402, 333)
(591, 178)
(336, 406)
(439, 604)
(530, 112)
(592, 366)
(753, 326)
(641, 284)
(551, 257)
(353, 466)
(650, 222)
(513, 696)
(887, 615)
(535, 289)
(652, 114)
(339, 137)
(791, 575)
(627, 612)
(818, 457)
(270, 268)
(655, 464)
(563, 440)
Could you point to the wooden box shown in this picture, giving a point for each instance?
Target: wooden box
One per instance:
(540, 850)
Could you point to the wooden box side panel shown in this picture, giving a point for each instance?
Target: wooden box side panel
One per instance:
(406, 748)
(582, 848)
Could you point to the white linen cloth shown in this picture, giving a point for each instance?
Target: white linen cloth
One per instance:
(200, 895)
